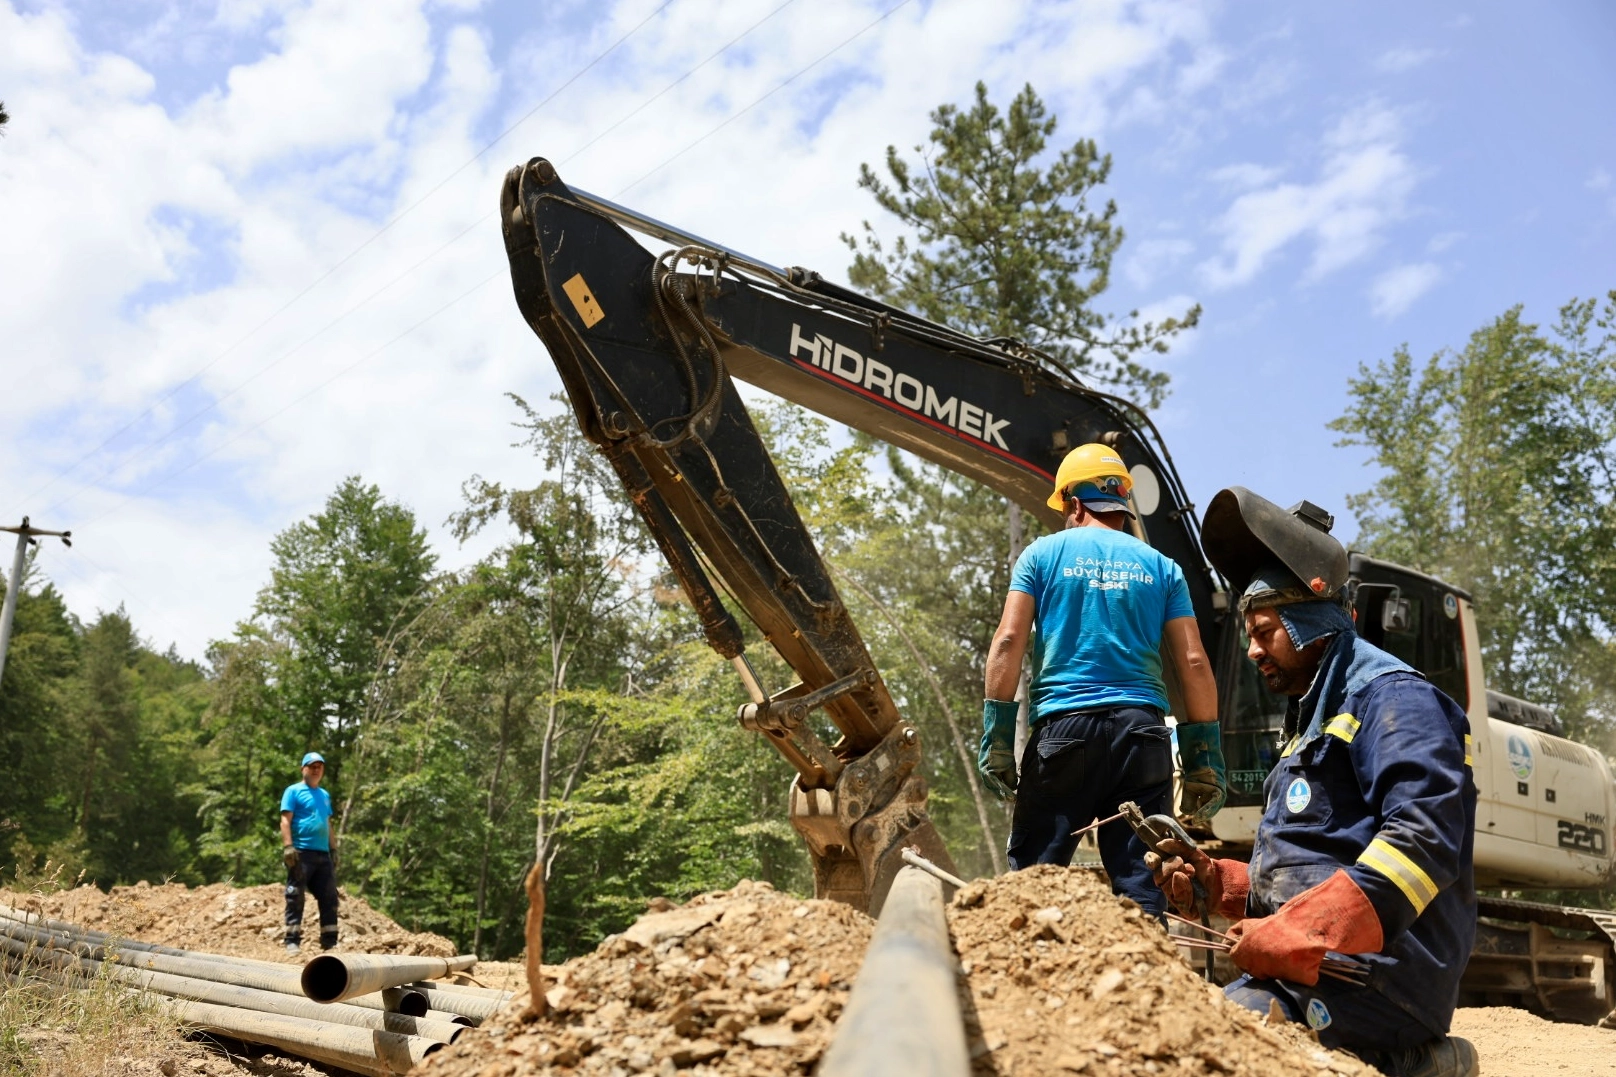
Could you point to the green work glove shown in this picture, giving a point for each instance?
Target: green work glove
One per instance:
(1206, 781)
(996, 759)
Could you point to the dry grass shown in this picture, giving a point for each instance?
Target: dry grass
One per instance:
(90, 1028)
(86, 1026)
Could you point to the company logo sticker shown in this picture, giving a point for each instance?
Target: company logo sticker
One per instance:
(1520, 757)
(1450, 606)
(1298, 795)
(1318, 1015)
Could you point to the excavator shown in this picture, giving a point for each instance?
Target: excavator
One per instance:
(649, 348)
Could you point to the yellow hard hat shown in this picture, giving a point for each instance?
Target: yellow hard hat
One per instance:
(1099, 465)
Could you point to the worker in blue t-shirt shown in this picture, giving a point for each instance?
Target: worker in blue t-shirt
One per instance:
(306, 851)
(1099, 607)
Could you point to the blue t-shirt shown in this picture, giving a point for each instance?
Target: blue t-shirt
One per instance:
(1103, 598)
(310, 809)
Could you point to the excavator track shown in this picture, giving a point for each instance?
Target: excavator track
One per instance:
(1554, 960)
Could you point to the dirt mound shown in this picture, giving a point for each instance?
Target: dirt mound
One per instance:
(222, 919)
(746, 981)
(1060, 977)
(1064, 977)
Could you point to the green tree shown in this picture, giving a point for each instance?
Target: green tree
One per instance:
(133, 725)
(34, 703)
(1496, 474)
(343, 580)
(1004, 243)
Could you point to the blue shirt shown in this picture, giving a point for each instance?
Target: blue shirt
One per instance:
(1102, 599)
(311, 809)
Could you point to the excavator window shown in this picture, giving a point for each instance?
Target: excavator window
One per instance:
(1429, 637)
(1252, 718)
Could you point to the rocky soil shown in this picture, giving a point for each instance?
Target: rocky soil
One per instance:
(222, 919)
(1059, 977)
(739, 982)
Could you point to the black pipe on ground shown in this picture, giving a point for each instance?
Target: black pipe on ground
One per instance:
(904, 1013)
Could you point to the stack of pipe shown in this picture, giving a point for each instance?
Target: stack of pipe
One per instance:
(384, 1015)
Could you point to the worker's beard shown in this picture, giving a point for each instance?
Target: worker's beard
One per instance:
(1296, 676)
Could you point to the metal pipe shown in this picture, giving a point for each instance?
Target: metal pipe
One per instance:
(365, 1050)
(263, 976)
(250, 998)
(904, 1014)
(474, 1008)
(430, 986)
(336, 977)
(369, 1051)
(123, 943)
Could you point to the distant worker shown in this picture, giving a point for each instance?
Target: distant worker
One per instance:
(306, 852)
(1099, 607)
(1365, 844)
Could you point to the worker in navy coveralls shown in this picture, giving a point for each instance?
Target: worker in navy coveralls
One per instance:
(306, 851)
(1366, 839)
(1100, 607)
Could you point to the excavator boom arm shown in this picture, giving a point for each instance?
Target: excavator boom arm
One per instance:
(647, 347)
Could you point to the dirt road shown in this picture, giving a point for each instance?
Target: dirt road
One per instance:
(1513, 1043)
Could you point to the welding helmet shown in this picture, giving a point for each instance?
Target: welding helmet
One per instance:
(1245, 534)
(1096, 476)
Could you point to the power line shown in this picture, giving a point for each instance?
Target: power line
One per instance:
(284, 307)
(149, 487)
(658, 95)
(213, 404)
(317, 388)
(140, 450)
(868, 27)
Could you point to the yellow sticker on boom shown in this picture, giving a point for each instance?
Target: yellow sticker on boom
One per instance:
(583, 300)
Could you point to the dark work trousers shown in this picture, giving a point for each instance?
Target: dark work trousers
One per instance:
(319, 879)
(1077, 768)
(1344, 1015)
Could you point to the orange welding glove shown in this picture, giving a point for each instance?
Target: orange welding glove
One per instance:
(1226, 881)
(1291, 944)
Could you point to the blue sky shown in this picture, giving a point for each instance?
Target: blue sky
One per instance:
(206, 332)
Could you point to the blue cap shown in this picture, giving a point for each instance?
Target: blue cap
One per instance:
(1102, 495)
(313, 757)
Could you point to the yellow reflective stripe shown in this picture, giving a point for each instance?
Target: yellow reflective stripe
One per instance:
(1468, 744)
(1290, 746)
(1385, 858)
(1344, 726)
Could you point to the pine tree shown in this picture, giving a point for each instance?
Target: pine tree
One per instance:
(1002, 245)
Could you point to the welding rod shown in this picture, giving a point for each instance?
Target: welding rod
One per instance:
(1097, 825)
(912, 856)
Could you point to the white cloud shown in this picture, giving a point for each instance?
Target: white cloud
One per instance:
(1244, 176)
(1405, 58)
(147, 243)
(1362, 185)
(1150, 258)
(1599, 181)
(1442, 242)
(1395, 290)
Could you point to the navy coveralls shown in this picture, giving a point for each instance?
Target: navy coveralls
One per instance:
(1078, 767)
(1384, 790)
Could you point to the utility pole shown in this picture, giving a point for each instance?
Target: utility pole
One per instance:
(25, 537)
